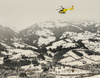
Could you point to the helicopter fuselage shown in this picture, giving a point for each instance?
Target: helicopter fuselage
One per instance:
(64, 10)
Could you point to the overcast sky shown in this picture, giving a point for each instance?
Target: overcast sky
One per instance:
(24, 13)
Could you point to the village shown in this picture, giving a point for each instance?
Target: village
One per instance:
(43, 69)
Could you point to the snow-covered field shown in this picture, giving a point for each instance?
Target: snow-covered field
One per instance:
(45, 41)
(94, 46)
(20, 52)
(68, 70)
(96, 76)
(61, 43)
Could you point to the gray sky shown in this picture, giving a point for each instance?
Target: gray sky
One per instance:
(24, 13)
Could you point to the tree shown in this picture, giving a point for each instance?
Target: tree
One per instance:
(35, 62)
(41, 56)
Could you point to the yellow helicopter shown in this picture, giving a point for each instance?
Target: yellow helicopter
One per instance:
(63, 10)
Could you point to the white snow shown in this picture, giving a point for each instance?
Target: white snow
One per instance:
(58, 76)
(22, 52)
(69, 40)
(92, 57)
(44, 32)
(1, 60)
(96, 76)
(85, 24)
(97, 25)
(71, 59)
(30, 32)
(48, 58)
(70, 53)
(69, 34)
(44, 62)
(61, 42)
(88, 61)
(19, 44)
(58, 43)
(68, 45)
(68, 70)
(47, 40)
(77, 36)
(94, 46)
(67, 59)
(5, 45)
(76, 27)
(16, 44)
(4, 53)
(31, 66)
(75, 63)
(49, 52)
(95, 57)
(38, 69)
(15, 29)
(26, 45)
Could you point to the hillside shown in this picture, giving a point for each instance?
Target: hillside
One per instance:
(49, 46)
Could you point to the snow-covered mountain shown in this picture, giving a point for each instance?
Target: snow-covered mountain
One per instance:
(44, 33)
(7, 35)
(51, 44)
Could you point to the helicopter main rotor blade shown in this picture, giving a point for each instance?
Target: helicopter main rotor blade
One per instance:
(62, 7)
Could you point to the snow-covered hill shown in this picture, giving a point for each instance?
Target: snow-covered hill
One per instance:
(44, 46)
(7, 35)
